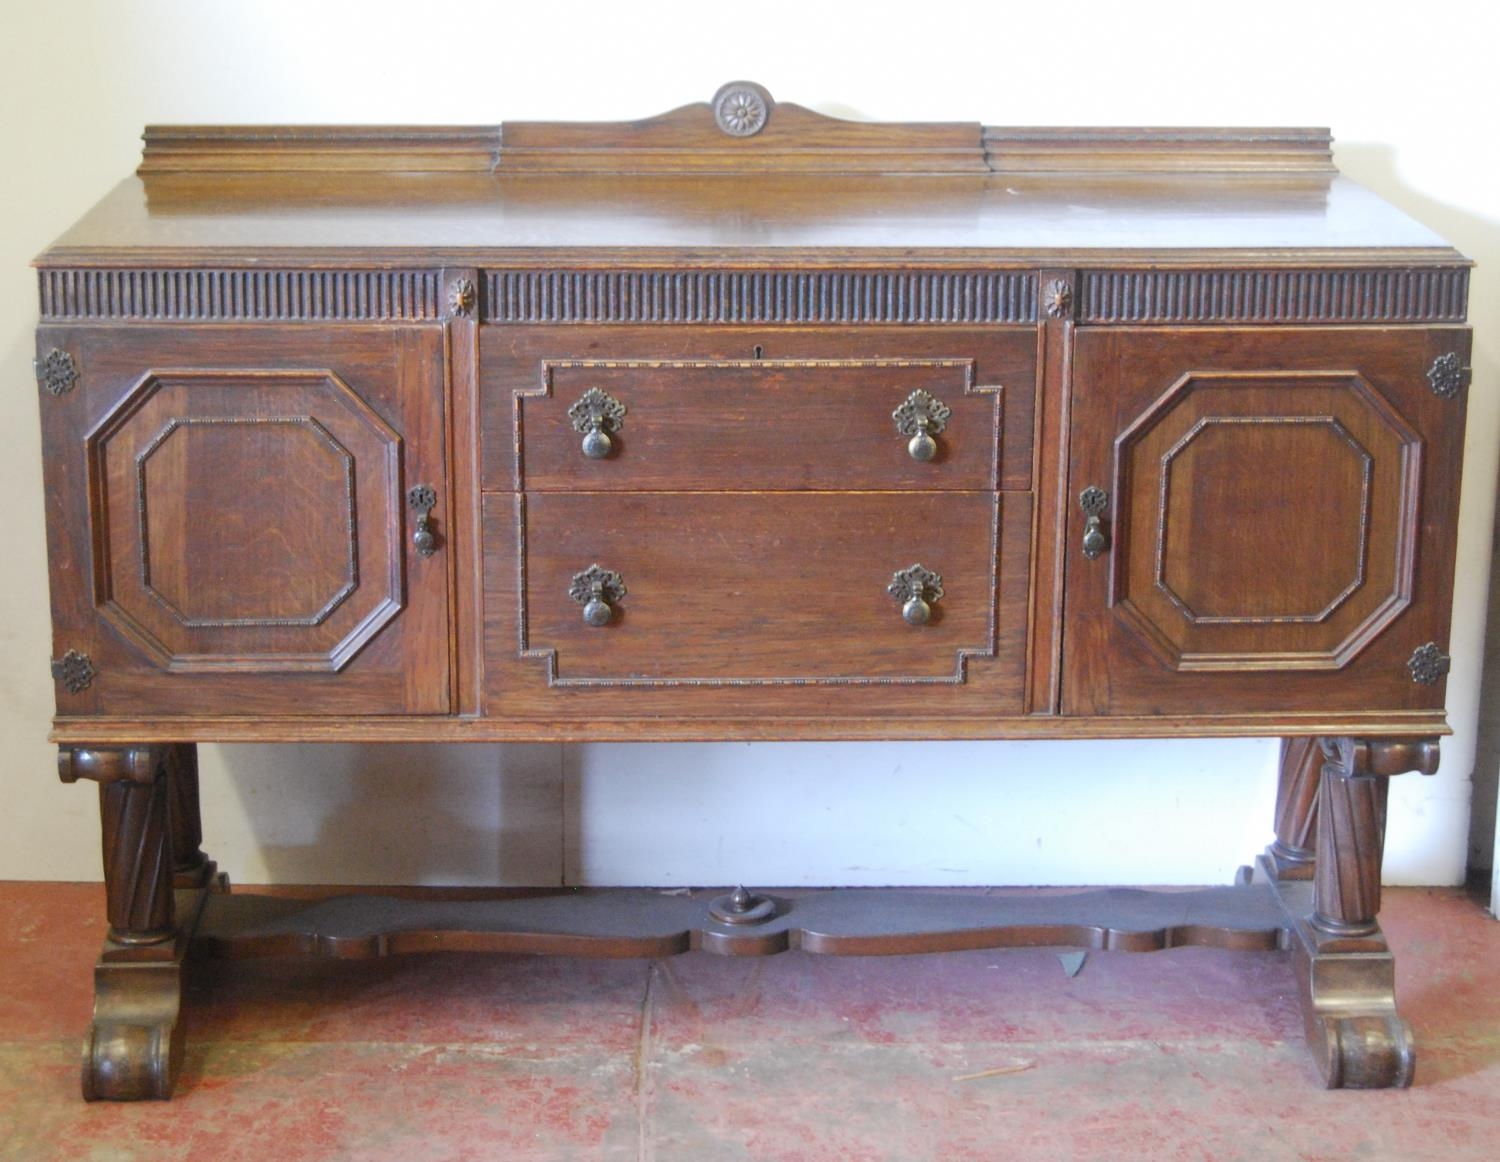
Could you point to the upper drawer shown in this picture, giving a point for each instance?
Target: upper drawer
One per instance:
(756, 410)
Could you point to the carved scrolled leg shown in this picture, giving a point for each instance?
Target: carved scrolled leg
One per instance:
(134, 1044)
(1292, 853)
(1345, 967)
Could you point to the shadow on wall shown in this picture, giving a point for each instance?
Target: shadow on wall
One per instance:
(1486, 801)
(454, 815)
(1479, 238)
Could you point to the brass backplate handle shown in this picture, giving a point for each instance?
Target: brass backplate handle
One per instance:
(596, 415)
(422, 498)
(1094, 502)
(918, 589)
(598, 591)
(921, 416)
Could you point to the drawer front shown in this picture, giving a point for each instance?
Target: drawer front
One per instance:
(751, 603)
(722, 410)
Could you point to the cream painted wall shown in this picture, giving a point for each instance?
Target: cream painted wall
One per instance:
(1413, 105)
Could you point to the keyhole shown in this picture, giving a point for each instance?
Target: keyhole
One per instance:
(759, 351)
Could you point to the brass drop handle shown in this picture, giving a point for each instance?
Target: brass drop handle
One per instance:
(422, 498)
(598, 591)
(917, 589)
(595, 416)
(1094, 501)
(921, 416)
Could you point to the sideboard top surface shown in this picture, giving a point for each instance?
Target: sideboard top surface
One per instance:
(496, 217)
(802, 188)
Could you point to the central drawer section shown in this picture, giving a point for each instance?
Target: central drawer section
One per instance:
(726, 522)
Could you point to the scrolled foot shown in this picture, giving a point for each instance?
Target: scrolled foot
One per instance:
(1374, 1051)
(134, 1046)
(130, 1062)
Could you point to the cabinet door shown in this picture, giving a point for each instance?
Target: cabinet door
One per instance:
(1280, 519)
(229, 520)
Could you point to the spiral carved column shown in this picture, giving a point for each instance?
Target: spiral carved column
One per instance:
(190, 867)
(137, 849)
(1294, 850)
(1351, 828)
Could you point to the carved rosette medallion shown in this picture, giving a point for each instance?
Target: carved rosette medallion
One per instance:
(57, 371)
(1058, 300)
(741, 110)
(75, 671)
(1428, 664)
(463, 297)
(1447, 375)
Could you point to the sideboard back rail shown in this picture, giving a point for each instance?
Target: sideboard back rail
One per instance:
(742, 129)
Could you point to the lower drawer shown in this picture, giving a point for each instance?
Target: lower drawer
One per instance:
(754, 603)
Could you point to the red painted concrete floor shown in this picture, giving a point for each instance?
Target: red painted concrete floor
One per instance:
(1188, 1054)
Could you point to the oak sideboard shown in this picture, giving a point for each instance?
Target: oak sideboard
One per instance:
(744, 422)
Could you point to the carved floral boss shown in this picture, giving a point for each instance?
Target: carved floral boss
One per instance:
(741, 109)
(57, 371)
(1447, 375)
(75, 671)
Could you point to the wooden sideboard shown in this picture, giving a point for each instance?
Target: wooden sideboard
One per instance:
(743, 422)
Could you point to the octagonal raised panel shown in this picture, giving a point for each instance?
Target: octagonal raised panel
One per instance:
(1203, 575)
(248, 520)
(285, 573)
(1308, 475)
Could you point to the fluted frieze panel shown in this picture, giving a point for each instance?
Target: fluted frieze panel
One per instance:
(1434, 294)
(1376, 295)
(716, 296)
(212, 295)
